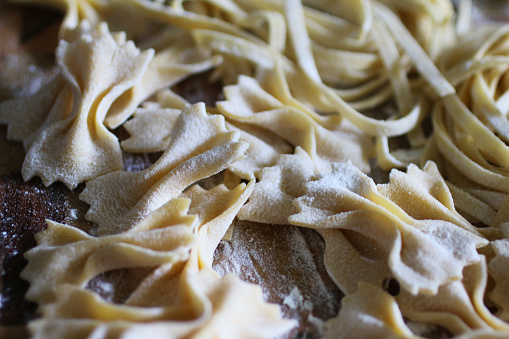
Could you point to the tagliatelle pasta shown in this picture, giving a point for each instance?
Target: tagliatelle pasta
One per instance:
(316, 96)
(325, 146)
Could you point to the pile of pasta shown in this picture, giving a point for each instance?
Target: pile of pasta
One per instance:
(317, 95)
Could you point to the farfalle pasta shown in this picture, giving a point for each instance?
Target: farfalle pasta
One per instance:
(456, 304)
(60, 119)
(202, 304)
(316, 96)
(121, 199)
(71, 143)
(171, 64)
(150, 130)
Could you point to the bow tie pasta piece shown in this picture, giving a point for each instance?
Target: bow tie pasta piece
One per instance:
(248, 103)
(368, 313)
(272, 199)
(150, 130)
(28, 116)
(65, 255)
(457, 306)
(178, 298)
(202, 305)
(346, 199)
(70, 143)
(200, 146)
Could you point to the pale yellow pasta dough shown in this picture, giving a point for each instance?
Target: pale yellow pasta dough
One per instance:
(216, 209)
(264, 149)
(65, 255)
(169, 66)
(121, 199)
(71, 144)
(368, 313)
(37, 109)
(247, 102)
(272, 199)
(347, 199)
(458, 306)
(201, 305)
(498, 271)
(315, 91)
(471, 129)
(150, 129)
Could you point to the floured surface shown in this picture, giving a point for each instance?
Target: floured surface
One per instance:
(299, 282)
(416, 244)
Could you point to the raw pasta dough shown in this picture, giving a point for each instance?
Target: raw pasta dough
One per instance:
(315, 93)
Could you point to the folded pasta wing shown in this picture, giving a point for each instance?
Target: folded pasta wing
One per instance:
(169, 66)
(458, 306)
(65, 255)
(203, 306)
(248, 103)
(272, 198)
(216, 210)
(25, 116)
(264, 149)
(368, 313)
(200, 146)
(182, 298)
(498, 271)
(150, 129)
(348, 200)
(71, 143)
